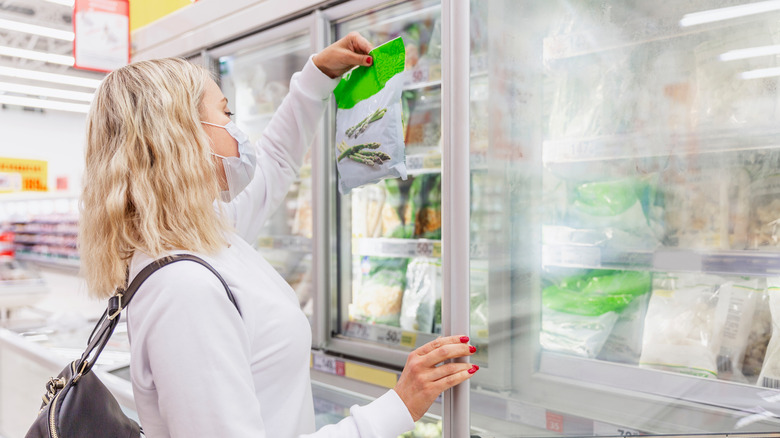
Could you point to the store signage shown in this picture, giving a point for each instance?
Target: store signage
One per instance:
(10, 182)
(32, 173)
(102, 29)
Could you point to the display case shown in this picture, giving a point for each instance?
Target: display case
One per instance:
(630, 153)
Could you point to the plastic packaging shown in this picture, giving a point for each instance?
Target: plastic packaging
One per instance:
(379, 295)
(770, 371)
(681, 331)
(736, 306)
(579, 312)
(369, 127)
(758, 339)
(423, 277)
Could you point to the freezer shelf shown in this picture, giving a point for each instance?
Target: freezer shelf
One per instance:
(663, 260)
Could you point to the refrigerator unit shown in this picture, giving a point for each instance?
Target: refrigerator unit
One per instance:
(591, 197)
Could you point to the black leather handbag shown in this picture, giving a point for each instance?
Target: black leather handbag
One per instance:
(76, 403)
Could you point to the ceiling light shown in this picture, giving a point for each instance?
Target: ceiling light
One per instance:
(36, 56)
(49, 77)
(45, 104)
(62, 2)
(761, 73)
(47, 92)
(36, 30)
(721, 14)
(753, 52)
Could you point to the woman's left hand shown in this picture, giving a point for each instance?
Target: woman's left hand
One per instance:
(341, 56)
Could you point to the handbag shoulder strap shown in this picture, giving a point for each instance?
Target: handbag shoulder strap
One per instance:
(108, 322)
(122, 299)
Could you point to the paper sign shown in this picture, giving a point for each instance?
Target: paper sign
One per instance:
(34, 174)
(102, 29)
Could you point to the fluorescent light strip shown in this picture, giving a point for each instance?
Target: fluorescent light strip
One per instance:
(36, 56)
(45, 104)
(48, 77)
(46, 92)
(760, 73)
(36, 30)
(62, 2)
(721, 14)
(753, 52)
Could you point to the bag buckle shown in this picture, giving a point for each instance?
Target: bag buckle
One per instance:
(114, 306)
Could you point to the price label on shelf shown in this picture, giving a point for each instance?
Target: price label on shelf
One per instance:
(265, 242)
(605, 429)
(415, 162)
(432, 161)
(408, 339)
(324, 364)
(358, 330)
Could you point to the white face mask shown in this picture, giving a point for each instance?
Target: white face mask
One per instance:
(239, 170)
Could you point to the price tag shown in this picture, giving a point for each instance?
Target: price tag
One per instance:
(357, 330)
(390, 336)
(324, 364)
(419, 75)
(604, 429)
(432, 161)
(265, 242)
(414, 162)
(437, 249)
(408, 339)
(554, 422)
(425, 249)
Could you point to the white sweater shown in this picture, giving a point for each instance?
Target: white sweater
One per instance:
(198, 368)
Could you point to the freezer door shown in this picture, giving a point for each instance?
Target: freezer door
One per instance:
(389, 233)
(624, 197)
(255, 79)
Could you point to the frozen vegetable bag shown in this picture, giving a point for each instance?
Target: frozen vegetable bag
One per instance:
(369, 128)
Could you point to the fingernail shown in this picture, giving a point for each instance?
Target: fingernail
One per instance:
(464, 339)
(368, 60)
(472, 349)
(473, 369)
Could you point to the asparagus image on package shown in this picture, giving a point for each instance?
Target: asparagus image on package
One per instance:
(369, 127)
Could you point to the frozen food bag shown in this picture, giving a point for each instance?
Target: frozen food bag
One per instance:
(629, 205)
(579, 312)
(624, 344)
(770, 371)
(758, 339)
(369, 126)
(681, 331)
(423, 277)
(736, 306)
(379, 298)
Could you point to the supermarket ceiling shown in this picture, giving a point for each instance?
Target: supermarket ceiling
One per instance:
(36, 58)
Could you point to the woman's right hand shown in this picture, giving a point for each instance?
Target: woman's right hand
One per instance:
(422, 380)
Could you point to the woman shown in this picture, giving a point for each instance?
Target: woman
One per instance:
(161, 154)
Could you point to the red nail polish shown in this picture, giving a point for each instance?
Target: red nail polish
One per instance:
(472, 349)
(368, 60)
(464, 339)
(477, 367)
(473, 369)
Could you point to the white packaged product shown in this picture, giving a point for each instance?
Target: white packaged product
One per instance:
(736, 307)
(770, 371)
(681, 331)
(423, 278)
(369, 124)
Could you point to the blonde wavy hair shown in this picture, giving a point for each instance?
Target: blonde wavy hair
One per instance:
(149, 180)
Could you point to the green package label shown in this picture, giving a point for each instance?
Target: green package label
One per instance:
(364, 82)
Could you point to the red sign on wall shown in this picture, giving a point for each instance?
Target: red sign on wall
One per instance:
(102, 29)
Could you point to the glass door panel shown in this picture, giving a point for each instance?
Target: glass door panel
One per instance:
(390, 233)
(624, 162)
(255, 81)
